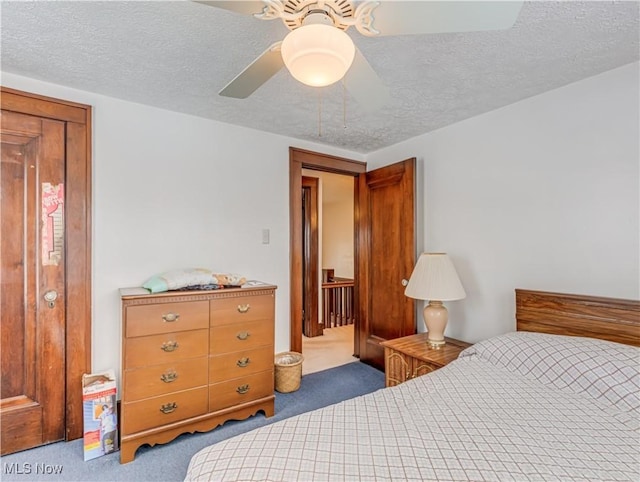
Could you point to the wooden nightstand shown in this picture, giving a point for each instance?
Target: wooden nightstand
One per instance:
(409, 357)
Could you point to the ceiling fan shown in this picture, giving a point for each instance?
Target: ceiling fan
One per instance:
(318, 52)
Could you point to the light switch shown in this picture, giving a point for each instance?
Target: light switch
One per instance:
(265, 236)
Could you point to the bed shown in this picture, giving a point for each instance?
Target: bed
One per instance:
(557, 400)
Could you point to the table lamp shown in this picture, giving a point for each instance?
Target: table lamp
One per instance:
(435, 279)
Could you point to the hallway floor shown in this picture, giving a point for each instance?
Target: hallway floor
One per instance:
(332, 349)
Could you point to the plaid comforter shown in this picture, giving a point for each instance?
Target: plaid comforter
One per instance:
(520, 406)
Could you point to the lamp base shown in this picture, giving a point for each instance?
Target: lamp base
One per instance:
(436, 344)
(435, 318)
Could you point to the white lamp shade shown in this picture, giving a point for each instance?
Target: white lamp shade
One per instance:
(435, 278)
(317, 54)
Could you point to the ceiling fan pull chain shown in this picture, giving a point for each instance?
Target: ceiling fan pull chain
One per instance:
(344, 104)
(319, 112)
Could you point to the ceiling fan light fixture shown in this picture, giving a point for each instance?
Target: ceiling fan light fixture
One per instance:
(318, 55)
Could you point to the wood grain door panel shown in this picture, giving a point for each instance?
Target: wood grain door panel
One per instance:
(30, 136)
(32, 394)
(386, 255)
(310, 323)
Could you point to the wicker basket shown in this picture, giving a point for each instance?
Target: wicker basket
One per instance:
(288, 371)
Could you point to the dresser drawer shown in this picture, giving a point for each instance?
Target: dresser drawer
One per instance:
(239, 337)
(148, 413)
(166, 318)
(241, 309)
(165, 348)
(161, 379)
(240, 390)
(239, 364)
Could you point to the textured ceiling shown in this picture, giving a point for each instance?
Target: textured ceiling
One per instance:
(178, 55)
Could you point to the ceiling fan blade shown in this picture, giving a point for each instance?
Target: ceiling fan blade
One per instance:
(365, 86)
(407, 17)
(256, 74)
(244, 7)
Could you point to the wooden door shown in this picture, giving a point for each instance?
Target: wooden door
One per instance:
(385, 242)
(30, 131)
(32, 178)
(310, 323)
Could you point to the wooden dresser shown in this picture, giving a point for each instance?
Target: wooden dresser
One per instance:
(191, 360)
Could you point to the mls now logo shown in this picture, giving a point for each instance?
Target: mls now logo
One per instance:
(27, 469)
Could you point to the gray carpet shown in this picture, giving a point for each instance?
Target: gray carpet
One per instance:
(169, 462)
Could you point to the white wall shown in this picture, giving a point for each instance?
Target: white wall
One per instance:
(338, 241)
(542, 194)
(173, 191)
(336, 212)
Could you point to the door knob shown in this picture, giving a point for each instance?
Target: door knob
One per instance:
(405, 282)
(50, 297)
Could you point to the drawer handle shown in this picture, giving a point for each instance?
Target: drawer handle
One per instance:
(243, 308)
(242, 389)
(169, 407)
(169, 346)
(243, 362)
(243, 335)
(169, 377)
(169, 317)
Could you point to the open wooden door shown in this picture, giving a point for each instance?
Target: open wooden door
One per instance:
(385, 242)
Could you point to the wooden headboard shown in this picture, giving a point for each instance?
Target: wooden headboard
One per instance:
(577, 315)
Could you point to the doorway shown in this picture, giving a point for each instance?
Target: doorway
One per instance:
(384, 249)
(45, 178)
(299, 159)
(328, 270)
